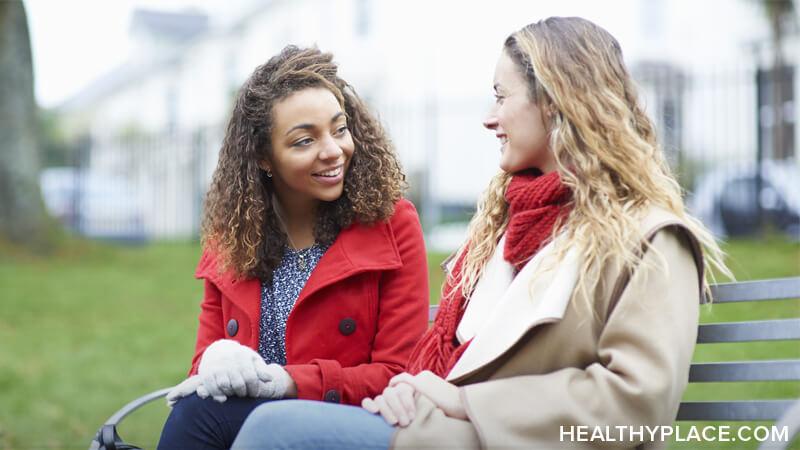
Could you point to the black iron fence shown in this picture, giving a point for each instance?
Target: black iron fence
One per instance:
(732, 145)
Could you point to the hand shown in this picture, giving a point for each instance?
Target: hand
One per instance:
(443, 394)
(395, 404)
(273, 388)
(274, 382)
(185, 388)
(230, 369)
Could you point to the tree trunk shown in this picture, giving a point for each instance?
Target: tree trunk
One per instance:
(778, 144)
(779, 13)
(23, 220)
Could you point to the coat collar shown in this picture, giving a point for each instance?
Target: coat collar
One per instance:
(540, 294)
(518, 311)
(358, 248)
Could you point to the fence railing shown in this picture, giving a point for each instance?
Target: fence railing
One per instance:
(152, 186)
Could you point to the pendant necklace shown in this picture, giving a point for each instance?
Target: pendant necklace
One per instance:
(301, 259)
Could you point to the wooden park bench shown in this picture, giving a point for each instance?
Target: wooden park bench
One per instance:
(785, 412)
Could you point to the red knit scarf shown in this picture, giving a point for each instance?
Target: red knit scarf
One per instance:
(535, 203)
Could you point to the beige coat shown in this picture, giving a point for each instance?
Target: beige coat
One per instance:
(546, 361)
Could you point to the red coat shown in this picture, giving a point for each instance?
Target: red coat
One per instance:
(356, 320)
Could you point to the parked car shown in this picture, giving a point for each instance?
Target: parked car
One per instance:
(92, 204)
(727, 199)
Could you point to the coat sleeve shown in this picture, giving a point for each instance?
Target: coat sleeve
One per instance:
(402, 319)
(644, 351)
(210, 326)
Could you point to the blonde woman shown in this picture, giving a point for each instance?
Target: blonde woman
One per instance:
(574, 301)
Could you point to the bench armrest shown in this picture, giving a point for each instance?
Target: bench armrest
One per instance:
(107, 437)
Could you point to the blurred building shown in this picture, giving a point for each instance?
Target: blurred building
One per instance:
(426, 68)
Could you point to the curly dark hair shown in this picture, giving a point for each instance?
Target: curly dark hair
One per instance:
(239, 221)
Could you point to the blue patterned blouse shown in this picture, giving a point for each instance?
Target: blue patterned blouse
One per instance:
(278, 298)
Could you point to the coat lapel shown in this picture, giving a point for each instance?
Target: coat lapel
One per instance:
(539, 294)
(358, 248)
(496, 279)
(244, 293)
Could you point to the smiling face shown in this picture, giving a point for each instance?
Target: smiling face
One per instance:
(311, 148)
(517, 122)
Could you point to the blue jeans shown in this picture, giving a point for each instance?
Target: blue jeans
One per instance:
(205, 424)
(304, 424)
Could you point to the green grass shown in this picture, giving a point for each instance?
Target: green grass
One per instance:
(88, 329)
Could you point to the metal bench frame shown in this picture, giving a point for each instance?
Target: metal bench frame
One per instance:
(785, 412)
(749, 331)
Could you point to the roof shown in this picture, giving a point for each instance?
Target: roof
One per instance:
(174, 25)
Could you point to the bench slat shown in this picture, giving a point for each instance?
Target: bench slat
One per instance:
(749, 291)
(777, 370)
(757, 330)
(744, 410)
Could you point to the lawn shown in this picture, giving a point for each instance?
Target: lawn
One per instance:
(95, 326)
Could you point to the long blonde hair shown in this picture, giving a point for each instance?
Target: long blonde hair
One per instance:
(605, 149)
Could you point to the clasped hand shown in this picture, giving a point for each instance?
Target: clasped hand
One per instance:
(397, 402)
(230, 369)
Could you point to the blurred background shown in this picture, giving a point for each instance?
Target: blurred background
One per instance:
(112, 115)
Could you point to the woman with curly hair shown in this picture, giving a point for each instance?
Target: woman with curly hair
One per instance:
(314, 265)
(574, 301)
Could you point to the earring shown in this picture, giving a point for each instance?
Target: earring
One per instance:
(269, 173)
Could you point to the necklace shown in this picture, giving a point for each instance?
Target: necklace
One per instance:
(301, 257)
